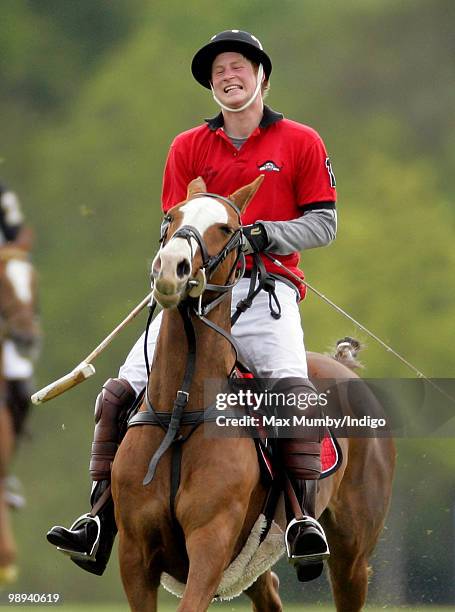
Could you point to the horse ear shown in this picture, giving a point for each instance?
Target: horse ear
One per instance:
(197, 185)
(243, 196)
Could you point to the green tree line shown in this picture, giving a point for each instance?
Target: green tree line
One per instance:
(91, 95)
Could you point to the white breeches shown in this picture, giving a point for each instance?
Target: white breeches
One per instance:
(273, 348)
(14, 365)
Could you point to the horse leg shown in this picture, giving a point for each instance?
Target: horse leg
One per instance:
(209, 551)
(349, 579)
(7, 546)
(351, 543)
(264, 593)
(6, 440)
(140, 579)
(355, 518)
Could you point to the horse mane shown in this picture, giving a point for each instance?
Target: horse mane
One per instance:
(346, 351)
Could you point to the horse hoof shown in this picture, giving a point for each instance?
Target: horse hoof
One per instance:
(8, 574)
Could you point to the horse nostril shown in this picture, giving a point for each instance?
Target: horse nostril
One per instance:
(183, 268)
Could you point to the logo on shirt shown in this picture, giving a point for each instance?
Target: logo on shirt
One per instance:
(208, 173)
(269, 166)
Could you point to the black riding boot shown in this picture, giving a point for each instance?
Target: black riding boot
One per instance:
(18, 392)
(305, 539)
(90, 538)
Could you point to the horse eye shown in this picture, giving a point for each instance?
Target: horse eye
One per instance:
(226, 229)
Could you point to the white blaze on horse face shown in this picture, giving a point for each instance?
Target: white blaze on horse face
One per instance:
(172, 265)
(19, 274)
(202, 213)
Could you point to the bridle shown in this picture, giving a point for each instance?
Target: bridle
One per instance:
(187, 308)
(200, 283)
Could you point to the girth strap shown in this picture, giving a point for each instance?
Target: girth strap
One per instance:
(164, 418)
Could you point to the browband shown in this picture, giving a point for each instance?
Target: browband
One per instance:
(219, 197)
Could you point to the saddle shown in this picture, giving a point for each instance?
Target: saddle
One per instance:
(331, 453)
(266, 448)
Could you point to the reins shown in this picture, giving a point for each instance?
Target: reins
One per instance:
(192, 306)
(182, 397)
(372, 335)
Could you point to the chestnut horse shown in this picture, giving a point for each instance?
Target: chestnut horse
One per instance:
(193, 533)
(18, 325)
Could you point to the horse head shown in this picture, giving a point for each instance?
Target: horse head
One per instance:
(18, 318)
(201, 242)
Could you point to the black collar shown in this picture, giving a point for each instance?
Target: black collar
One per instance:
(268, 118)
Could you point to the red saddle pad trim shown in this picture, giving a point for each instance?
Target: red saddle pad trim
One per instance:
(329, 454)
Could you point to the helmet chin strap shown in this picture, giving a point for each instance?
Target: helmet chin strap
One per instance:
(250, 101)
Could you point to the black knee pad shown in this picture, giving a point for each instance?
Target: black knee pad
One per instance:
(18, 392)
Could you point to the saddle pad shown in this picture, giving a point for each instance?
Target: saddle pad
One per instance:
(331, 456)
(254, 559)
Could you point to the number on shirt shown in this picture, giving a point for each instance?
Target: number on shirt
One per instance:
(328, 165)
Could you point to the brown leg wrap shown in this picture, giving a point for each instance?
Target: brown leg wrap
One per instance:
(300, 455)
(110, 414)
(301, 459)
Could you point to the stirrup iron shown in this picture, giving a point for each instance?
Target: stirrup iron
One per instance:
(85, 519)
(306, 558)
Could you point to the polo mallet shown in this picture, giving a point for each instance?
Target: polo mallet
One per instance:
(388, 348)
(85, 369)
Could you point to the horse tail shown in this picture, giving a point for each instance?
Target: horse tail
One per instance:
(346, 352)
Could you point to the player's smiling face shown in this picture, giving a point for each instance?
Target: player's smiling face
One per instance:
(233, 78)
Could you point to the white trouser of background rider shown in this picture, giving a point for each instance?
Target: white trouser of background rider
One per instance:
(17, 371)
(273, 348)
(15, 367)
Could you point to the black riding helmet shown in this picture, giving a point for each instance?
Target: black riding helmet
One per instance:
(230, 40)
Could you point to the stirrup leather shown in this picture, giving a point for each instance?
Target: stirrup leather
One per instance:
(85, 519)
(313, 557)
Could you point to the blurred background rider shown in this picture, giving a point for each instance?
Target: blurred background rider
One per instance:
(16, 238)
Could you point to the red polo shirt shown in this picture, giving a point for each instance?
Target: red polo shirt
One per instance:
(291, 156)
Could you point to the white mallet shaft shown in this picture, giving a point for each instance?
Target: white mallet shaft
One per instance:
(85, 369)
(73, 378)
